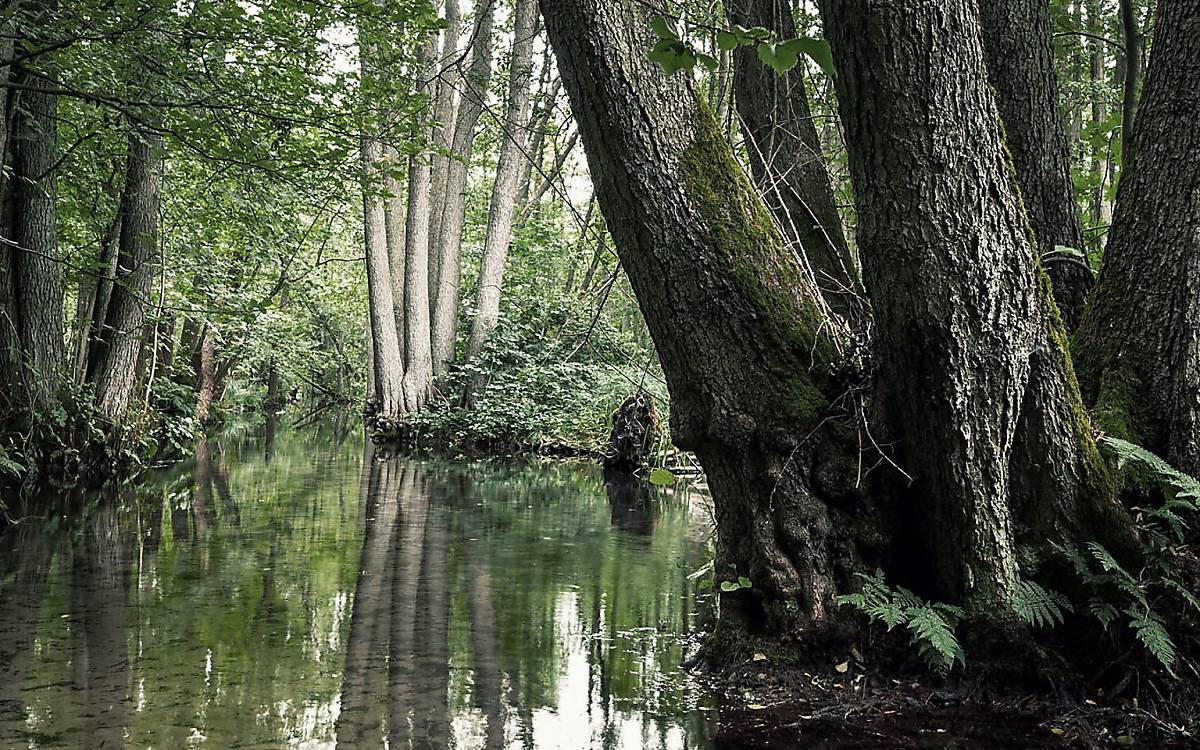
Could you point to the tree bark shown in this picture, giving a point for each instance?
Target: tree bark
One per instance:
(395, 218)
(95, 295)
(970, 355)
(786, 159)
(418, 345)
(1133, 77)
(444, 107)
(449, 254)
(736, 320)
(124, 326)
(504, 194)
(1019, 53)
(386, 361)
(1139, 346)
(206, 375)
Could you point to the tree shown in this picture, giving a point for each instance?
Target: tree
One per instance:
(786, 159)
(449, 253)
(1139, 347)
(443, 111)
(504, 193)
(1020, 64)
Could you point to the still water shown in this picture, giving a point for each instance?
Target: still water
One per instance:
(310, 592)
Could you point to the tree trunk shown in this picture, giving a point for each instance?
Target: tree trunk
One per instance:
(972, 369)
(1020, 65)
(206, 375)
(449, 83)
(37, 281)
(418, 345)
(735, 318)
(1139, 346)
(1133, 78)
(504, 194)
(786, 159)
(95, 295)
(449, 254)
(124, 326)
(395, 213)
(387, 362)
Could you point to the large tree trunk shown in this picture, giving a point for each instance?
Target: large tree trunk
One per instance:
(387, 365)
(37, 277)
(970, 355)
(395, 213)
(504, 194)
(1020, 64)
(735, 318)
(1139, 346)
(786, 159)
(449, 254)
(444, 107)
(124, 327)
(418, 345)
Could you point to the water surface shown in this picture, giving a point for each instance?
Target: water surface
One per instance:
(308, 591)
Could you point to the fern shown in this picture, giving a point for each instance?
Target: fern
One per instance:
(1174, 482)
(931, 625)
(1038, 606)
(1150, 631)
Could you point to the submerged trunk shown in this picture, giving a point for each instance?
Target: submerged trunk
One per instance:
(418, 346)
(124, 327)
(1139, 346)
(504, 194)
(736, 320)
(1020, 66)
(786, 159)
(36, 270)
(972, 369)
(449, 254)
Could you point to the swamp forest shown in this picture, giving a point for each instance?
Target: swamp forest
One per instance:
(616, 374)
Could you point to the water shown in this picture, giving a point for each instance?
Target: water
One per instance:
(306, 592)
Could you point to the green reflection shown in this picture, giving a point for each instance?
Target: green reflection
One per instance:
(302, 589)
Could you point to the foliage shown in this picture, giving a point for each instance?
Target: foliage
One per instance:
(931, 625)
(1038, 606)
(675, 52)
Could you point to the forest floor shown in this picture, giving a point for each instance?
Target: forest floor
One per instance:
(843, 707)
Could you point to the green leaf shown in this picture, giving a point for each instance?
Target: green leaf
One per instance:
(744, 582)
(662, 478)
(707, 61)
(779, 58)
(663, 28)
(673, 56)
(816, 49)
(728, 586)
(727, 41)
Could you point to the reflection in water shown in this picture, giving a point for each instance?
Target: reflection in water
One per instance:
(319, 593)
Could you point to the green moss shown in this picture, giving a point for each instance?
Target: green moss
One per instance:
(763, 272)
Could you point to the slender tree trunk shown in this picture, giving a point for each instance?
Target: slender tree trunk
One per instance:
(448, 85)
(971, 363)
(449, 255)
(1101, 209)
(786, 159)
(37, 281)
(540, 123)
(206, 375)
(395, 212)
(387, 362)
(1133, 78)
(735, 318)
(504, 194)
(418, 345)
(1139, 346)
(125, 321)
(1020, 64)
(94, 295)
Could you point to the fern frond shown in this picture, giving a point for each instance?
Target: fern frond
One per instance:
(1153, 635)
(1038, 606)
(1104, 611)
(1192, 600)
(935, 639)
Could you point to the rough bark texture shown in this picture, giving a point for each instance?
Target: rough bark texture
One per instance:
(449, 254)
(786, 159)
(37, 277)
(387, 365)
(125, 322)
(395, 213)
(448, 85)
(1020, 64)
(734, 317)
(94, 294)
(1139, 346)
(971, 366)
(504, 193)
(418, 347)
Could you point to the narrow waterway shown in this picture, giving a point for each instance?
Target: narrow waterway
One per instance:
(305, 590)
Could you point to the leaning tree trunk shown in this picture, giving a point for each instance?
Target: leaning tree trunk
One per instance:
(1139, 346)
(37, 281)
(418, 346)
(124, 326)
(444, 106)
(1020, 63)
(735, 318)
(1134, 40)
(786, 160)
(504, 193)
(449, 254)
(971, 360)
(387, 366)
